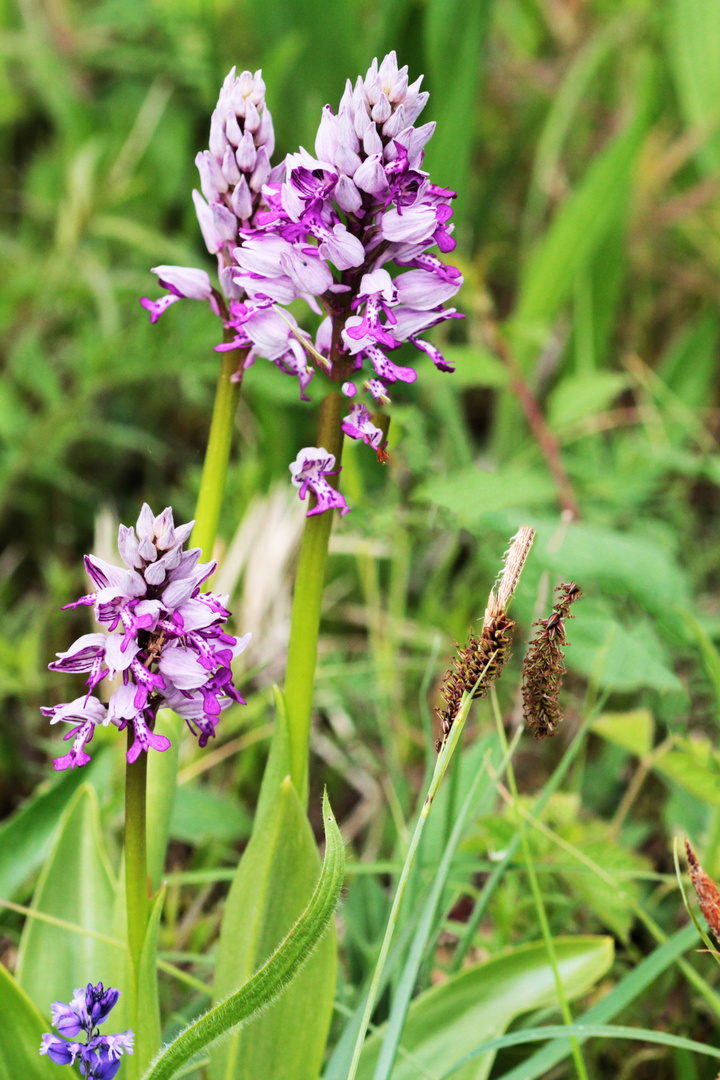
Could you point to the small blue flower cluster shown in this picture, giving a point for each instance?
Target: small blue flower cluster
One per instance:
(99, 1055)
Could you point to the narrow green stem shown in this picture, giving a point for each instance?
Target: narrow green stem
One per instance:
(441, 765)
(217, 455)
(537, 895)
(307, 602)
(136, 879)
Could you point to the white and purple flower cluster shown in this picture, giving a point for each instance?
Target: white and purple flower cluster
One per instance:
(99, 1055)
(166, 640)
(327, 229)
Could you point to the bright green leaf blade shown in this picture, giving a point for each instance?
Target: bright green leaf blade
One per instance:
(274, 976)
(20, 1033)
(586, 1031)
(26, 838)
(694, 45)
(627, 990)
(274, 881)
(148, 1013)
(76, 884)
(161, 794)
(481, 789)
(633, 730)
(457, 28)
(481, 1001)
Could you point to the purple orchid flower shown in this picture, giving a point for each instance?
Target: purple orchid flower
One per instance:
(166, 641)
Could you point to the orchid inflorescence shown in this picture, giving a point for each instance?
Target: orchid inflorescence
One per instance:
(166, 641)
(99, 1055)
(326, 229)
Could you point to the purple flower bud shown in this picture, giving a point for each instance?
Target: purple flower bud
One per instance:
(348, 197)
(309, 472)
(370, 177)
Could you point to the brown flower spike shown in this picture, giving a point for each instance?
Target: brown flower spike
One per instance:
(707, 891)
(544, 666)
(484, 656)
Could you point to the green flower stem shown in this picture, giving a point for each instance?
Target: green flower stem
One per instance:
(537, 895)
(441, 766)
(307, 601)
(136, 878)
(217, 455)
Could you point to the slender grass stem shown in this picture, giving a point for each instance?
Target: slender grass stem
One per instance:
(441, 766)
(537, 894)
(307, 603)
(217, 455)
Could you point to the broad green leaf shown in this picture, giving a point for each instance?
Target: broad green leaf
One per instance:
(623, 563)
(694, 45)
(161, 795)
(632, 730)
(471, 493)
(26, 838)
(76, 884)
(694, 764)
(274, 880)
(618, 657)
(148, 1011)
(201, 814)
(480, 1003)
(626, 991)
(20, 1032)
(281, 971)
(584, 395)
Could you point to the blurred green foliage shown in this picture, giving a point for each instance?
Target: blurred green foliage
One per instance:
(584, 141)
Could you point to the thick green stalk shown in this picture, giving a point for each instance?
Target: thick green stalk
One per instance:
(307, 602)
(136, 878)
(217, 455)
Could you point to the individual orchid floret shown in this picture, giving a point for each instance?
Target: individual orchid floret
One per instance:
(99, 1055)
(358, 425)
(309, 473)
(165, 642)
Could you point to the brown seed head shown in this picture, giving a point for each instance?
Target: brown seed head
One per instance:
(544, 667)
(478, 663)
(707, 892)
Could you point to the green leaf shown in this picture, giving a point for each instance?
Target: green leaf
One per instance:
(76, 884)
(618, 657)
(454, 28)
(481, 1001)
(694, 764)
(626, 991)
(274, 880)
(580, 396)
(632, 730)
(20, 1032)
(625, 564)
(573, 237)
(281, 970)
(161, 795)
(26, 838)
(694, 45)
(201, 815)
(472, 493)
(148, 1011)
